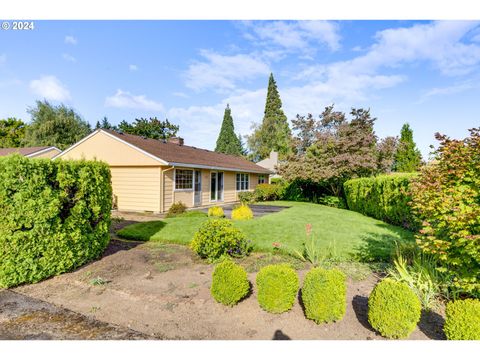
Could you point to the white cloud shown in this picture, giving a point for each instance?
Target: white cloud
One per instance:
(447, 90)
(296, 35)
(69, 39)
(125, 99)
(180, 94)
(50, 88)
(132, 67)
(223, 71)
(69, 57)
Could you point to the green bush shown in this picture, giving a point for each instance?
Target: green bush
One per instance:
(217, 237)
(246, 197)
(393, 309)
(268, 192)
(332, 201)
(176, 209)
(242, 212)
(324, 295)
(229, 283)
(384, 197)
(462, 320)
(277, 287)
(216, 211)
(54, 216)
(446, 199)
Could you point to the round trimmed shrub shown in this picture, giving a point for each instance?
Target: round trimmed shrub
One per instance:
(217, 237)
(229, 283)
(462, 320)
(324, 295)
(277, 287)
(242, 212)
(393, 309)
(215, 211)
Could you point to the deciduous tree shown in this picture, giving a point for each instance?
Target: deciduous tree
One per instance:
(12, 132)
(151, 128)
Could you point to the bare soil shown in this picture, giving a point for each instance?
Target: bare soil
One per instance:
(163, 291)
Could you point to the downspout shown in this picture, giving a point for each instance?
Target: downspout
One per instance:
(162, 182)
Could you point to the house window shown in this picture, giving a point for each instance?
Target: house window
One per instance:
(242, 182)
(262, 179)
(183, 179)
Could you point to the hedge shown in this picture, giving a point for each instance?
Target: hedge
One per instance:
(54, 216)
(384, 197)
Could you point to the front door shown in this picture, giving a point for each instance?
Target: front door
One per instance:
(216, 186)
(197, 199)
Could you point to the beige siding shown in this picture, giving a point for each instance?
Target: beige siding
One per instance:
(167, 188)
(229, 187)
(205, 187)
(47, 154)
(114, 152)
(136, 188)
(184, 196)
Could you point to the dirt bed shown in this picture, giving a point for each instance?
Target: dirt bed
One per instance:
(163, 291)
(25, 318)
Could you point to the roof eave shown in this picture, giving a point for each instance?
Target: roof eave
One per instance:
(222, 168)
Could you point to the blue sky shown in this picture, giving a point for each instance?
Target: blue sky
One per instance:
(421, 72)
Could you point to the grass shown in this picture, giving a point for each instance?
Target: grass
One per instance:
(354, 236)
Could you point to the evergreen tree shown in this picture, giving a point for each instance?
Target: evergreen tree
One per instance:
(407, 156)
(228, 142)
(274, 132)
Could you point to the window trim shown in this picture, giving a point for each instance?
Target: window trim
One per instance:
(247, 182)
(175, 180)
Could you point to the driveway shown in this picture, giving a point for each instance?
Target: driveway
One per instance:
(258, 210)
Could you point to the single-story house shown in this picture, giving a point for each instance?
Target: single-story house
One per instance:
(151, 175)
(32, 152)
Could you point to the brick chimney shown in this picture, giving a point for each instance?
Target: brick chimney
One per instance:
(176, 140)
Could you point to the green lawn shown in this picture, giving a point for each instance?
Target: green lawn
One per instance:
(349, 233)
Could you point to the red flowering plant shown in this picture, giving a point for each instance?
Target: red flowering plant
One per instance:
(446, 200)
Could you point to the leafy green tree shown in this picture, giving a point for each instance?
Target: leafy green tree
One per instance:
(274, 132)
(151, 128)
(228, 142)
(12, 132)
(407, 157)
(341, 150)
(446, 200)
(51, 125)
(105, 124)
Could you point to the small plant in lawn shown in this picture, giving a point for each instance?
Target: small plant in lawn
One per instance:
(242, 212)
(277, 288)
(393, 309)
(462, 320)
(177, 208)
(324, 295)
(98, 281)
(216, 211)
(229, 283)
(246, 197)
(217, 237)
(311, 250)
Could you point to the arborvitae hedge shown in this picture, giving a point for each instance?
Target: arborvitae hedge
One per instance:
(384, 197)
(54, 216)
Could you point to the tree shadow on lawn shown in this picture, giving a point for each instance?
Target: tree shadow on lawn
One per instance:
(383, 247)
(141, 231)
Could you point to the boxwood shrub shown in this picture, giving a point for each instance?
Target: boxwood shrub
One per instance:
(384, 197)
(229, 283)
(217, 237)
(462, 320)
(216, 211)
(242, 212)
(54, 216)
(324, 295)
(277, 288)
(393, 309)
